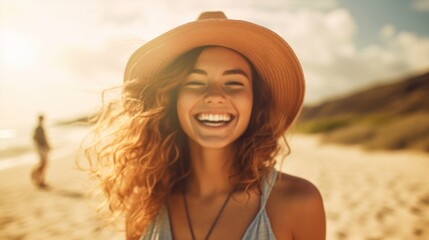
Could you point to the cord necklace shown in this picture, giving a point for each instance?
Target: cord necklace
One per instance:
(188, 218)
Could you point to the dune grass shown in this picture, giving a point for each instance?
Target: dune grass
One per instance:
(376, 131)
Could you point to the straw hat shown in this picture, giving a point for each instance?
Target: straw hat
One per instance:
(273, 59)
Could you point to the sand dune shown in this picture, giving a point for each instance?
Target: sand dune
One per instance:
(367, 195)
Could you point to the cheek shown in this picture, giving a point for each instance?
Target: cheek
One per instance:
(184, 107)
(181, 108)
(244, 104)
(244, 107)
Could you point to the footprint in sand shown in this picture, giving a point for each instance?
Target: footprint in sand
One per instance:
(418, 232)
(425, 200)
(382, 213)
(342, 235)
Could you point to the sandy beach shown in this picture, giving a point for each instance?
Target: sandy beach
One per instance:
(63, 211)
(367, 195)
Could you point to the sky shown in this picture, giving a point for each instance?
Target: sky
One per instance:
(58, 56)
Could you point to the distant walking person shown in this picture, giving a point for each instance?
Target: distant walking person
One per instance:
(42, 145)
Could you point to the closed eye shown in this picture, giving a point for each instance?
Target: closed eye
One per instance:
(194, 83)
(234, 83)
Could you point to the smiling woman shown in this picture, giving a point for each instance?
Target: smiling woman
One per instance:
(226, 95)
(19, 51)
(189, 151)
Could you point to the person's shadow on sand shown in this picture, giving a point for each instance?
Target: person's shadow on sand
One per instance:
(68, 193)
(64, 193)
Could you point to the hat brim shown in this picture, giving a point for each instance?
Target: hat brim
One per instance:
(273, 59)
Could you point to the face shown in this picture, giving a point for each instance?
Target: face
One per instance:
(214, 103)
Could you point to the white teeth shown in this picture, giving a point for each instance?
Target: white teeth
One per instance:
(214, 124)
(214, 117)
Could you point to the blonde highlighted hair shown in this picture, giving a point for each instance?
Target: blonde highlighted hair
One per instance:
(140, 155)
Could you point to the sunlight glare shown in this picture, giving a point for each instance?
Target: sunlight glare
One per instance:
(18, 51)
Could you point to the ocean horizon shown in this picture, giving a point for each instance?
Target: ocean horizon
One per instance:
(17, 146)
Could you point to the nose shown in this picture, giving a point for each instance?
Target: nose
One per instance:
(214, 95)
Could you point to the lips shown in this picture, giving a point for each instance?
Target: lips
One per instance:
(214, 119)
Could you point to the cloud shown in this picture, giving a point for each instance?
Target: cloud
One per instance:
(85, 44)
(407, 48)
(397, 55)
(420, 5)
(387, 32)
(281, 5)
(319, 4)
(325, 42)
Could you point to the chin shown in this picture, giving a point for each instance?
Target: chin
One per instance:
(213, 143)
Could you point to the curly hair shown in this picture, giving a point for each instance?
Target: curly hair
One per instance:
(140, 154)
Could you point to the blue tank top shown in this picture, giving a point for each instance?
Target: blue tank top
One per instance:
(260, 228)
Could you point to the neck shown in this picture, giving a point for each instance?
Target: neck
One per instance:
(210, 171)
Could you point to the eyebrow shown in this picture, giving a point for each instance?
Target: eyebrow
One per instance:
(235, 71)
(227, 72)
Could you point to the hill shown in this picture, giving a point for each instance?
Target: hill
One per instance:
(391, 116)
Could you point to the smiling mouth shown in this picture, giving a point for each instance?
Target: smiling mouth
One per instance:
(214, 120)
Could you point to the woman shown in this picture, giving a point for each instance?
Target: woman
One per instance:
(189, 152)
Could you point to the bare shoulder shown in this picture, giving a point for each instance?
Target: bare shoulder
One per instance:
(296, 204)
(292, 188)
(294, 194)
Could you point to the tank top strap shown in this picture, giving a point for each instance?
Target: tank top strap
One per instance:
(267, 185)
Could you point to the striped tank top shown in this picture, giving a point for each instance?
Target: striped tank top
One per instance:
(260, 228)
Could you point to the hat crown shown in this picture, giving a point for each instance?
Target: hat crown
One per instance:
(212, 15)
(273, 59)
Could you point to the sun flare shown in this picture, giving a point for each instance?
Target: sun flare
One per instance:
(18, 51)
